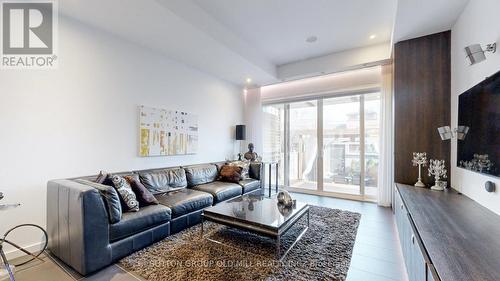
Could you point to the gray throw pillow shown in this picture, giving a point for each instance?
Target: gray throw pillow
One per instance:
(126, 193)
(110, 197)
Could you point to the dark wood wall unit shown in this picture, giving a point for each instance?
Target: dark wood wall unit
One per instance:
(421, 103)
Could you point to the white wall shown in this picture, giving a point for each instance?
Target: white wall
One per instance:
(83, 117)
(479, 23)
(253, 120)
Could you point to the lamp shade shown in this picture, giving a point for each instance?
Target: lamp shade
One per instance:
(240, 132)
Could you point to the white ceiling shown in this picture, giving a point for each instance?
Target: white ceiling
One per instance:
(279, 28)
(236, 39)
(178, 29)
(417, 18)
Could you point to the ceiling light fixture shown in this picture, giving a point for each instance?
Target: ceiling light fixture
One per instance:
(373, 36)
(311, 39)
(249, 80)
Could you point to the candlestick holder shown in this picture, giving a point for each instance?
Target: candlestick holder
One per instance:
(419, 159)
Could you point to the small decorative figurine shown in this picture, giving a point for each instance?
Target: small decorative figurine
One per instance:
(419, 159)
(438, 170)
(251, 155)
(284, 198)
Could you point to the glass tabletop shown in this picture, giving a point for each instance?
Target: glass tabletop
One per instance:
(256, 208)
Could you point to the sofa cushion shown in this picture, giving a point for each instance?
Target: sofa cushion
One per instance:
(201, 174)
(220, 190)
(184, 201)
(159, 181)
(249, 185)
(110, 197)
(132, 223)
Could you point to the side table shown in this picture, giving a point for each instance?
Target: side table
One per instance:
(270, 165)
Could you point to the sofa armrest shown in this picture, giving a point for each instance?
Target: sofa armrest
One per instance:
(77, 225)
(255, 170)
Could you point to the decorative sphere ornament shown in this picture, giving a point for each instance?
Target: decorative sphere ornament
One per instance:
(285, 198)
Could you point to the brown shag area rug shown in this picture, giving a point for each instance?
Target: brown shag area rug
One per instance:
(323, 253)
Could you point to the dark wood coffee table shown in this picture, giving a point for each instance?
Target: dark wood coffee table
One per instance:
(256, 213)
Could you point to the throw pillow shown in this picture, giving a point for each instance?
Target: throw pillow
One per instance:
(230, 173)
(144, 196)
(245, 166)
(126, 193)
(101, 177)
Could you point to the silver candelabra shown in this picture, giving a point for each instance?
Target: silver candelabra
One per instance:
(438, 170)
(419, 159)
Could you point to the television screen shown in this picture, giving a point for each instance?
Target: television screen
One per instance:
(479, 111)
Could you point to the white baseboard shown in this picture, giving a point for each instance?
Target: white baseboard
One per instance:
(13, 253)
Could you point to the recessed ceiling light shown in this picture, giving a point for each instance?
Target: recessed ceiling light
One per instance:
(373, 36)
(249, 80)
(311, 39)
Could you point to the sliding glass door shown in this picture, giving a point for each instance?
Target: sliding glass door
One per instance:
(303, 148)
(326, 145)
(372, 143)
(341, 149)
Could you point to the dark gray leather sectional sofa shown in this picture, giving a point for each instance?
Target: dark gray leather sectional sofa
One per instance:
(78, 221)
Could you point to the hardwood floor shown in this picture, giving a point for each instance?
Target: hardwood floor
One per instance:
(376, 255)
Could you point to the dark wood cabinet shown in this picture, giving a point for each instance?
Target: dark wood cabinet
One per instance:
(446, 236)
(416, 262)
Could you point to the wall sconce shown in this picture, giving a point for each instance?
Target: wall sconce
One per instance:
(475, 53)
(459, 132)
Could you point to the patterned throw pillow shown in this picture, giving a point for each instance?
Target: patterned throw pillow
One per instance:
(144, 196)
(126, 193)
(245, 166)
(230, 173)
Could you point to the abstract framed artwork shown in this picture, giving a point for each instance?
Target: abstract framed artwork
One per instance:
(165, 132)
